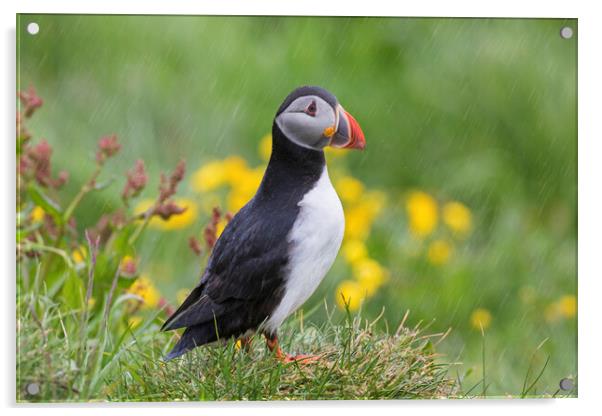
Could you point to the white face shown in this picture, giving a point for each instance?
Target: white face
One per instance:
(308, 121)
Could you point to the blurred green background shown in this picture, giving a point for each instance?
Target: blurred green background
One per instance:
(481, 111)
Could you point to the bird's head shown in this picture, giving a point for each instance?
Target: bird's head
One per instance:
(312, 117)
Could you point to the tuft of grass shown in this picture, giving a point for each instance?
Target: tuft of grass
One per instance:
(358, 362)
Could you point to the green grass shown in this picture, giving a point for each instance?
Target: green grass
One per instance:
(358, 362)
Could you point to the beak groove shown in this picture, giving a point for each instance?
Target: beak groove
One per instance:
(348, 134)
(357, 139)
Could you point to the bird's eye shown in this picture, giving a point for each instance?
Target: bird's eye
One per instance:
(311, 109)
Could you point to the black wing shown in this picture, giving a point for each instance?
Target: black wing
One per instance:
(244, 275)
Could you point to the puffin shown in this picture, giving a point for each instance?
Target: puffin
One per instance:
(276, 250)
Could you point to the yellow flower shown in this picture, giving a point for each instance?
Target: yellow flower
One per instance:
(37, 214)
(250, 181)
(439, 252)
(221, 225)
(91, 302)
(265, 147)
(237, 200)
(144, 288)
(457, 217)
(349, 189)
(567, 306)
(354, 250)
(134, 321)
(175, 222)
(236, 169)
(127, 259)
(480, 318)
(244, 187)
(209, 177)
(182, 295)
(359, 218)
(128, 266)
(79, 255)
(350, 293)
(422, 212)
(370, 275)
(357, 223)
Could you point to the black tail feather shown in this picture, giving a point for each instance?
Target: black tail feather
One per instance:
(193, 337)
(191, 299)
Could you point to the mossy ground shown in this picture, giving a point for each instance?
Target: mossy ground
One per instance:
(357, 362)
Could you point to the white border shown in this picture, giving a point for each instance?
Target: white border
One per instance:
(308, 7)
(590, 206)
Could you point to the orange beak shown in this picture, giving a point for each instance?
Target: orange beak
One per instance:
(348, 134)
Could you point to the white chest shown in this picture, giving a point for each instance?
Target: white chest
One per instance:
(315, 241)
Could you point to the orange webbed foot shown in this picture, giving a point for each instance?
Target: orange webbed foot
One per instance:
(303, 359)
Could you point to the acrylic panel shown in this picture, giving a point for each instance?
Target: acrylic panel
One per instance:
(402, 227)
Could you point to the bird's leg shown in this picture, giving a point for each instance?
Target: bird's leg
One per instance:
(274, 346)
